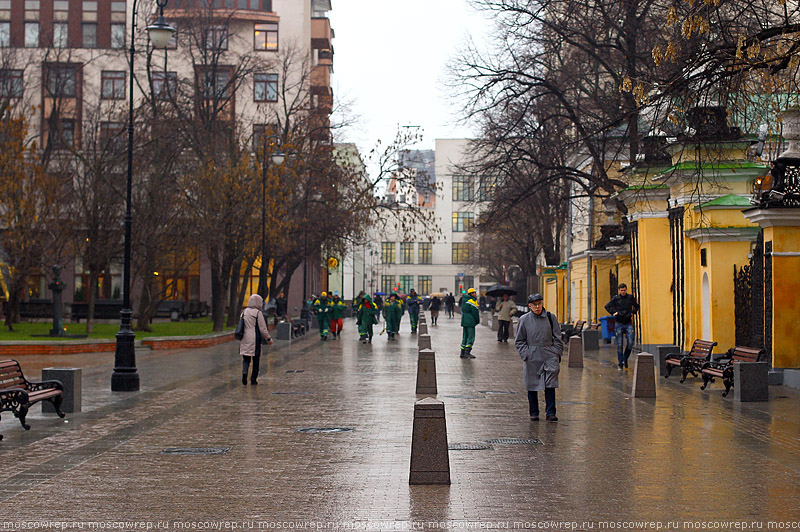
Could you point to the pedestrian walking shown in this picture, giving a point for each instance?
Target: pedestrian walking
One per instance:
(366, 317)
(378, 303)
(470, 318)
(255, 333)
(357, 302)
(505, 310)
(435, 307)
(393, 312)
(337, 315)
(324, 310)
(280, 307)
(413, 302)
(539, 344)
(449, 304)
(623, 306)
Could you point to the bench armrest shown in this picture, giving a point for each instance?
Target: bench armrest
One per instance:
(45, 385)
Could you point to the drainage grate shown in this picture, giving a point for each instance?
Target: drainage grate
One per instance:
(469, 446)
(496, 392)
(196, 450)
(292, 393)
(324, 430)
(515, 441)
(295, 370)
(461, 396)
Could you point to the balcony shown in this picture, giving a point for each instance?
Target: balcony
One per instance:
(321, 33)
(255, 10)
(325, 57)
(320, 77)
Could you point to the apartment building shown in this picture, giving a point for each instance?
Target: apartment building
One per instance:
(64, 63)
(425, 259)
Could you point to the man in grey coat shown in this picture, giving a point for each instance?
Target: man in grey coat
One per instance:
(539, 345)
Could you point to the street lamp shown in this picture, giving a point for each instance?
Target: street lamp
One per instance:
(316, 197)
(277, 158)
(125, 378)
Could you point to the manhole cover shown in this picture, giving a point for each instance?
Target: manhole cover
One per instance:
(469, 447)
(292, 393)
(515, 441)
(496, 392)
(196, 450)
(461, 396)
(324, 430)
(295, 370)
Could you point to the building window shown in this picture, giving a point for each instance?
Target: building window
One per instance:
(89, 32)
(463, 252)
(462, 188)
(406, 283)
(486, 188)
(165, 85)
(387, 252)
(11, 83)
(62, 133)
(31, 35)
(464, 283)
(266, 88)
(406, 253)
(463, 222)
(387, 284)
(425, 252)
(62, 81)
(118, 36)
(112, 85)
(424, 285)
(112, 136)
(60, 35)
(260, 134)
(216, 38)
(215, 85)
(5, 34)
(265, 37)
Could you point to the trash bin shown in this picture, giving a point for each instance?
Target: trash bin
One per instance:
(607, 325)
(174, 314)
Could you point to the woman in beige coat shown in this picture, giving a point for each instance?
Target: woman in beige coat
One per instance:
(255, 328)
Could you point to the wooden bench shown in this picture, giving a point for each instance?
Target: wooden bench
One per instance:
(691, 362)
(17, 393)
(594, 327)
(723, 367)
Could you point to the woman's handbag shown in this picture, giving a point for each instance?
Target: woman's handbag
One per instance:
(239, 332)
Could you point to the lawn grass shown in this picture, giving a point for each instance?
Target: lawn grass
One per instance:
(23, 331)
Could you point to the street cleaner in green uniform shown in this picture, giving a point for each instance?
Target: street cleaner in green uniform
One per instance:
(366, 317)
(323, 308)
(393, 311)
(470, 318)
(337, 315)
(413, 302)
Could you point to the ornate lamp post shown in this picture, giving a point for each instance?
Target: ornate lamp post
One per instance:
(785, 187)
(277, 156)
(125, 377)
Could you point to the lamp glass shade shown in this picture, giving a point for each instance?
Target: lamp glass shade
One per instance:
(278, 158)
(160, 33)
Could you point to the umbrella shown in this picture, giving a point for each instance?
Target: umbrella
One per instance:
(438, 294)
(498, 290)
(380, 293)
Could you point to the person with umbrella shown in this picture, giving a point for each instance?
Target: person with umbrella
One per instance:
(470, 318)
(505, 310)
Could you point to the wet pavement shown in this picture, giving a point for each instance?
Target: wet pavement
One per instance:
(686, 460)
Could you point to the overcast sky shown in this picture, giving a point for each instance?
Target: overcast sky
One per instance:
(390, 62)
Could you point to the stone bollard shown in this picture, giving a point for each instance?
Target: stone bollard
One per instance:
(422, 328)
(590, 339)
(284, 331)
(314, 322)
(72, 380)
(575, 352)
(484, 319)
(426, 372)
(644, 376)
(495, 323)
(424, 341)
(751, 381)
(663, 351)
(430, 463)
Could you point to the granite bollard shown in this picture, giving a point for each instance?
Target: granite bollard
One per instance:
(575, 352)
(72, 380)
(430, 463)
(751, 381)
(590, 339)
(284, 331)
(424, 341)
(495, 323)
(426, 372)
(644, 376)
(422, 328)
(484, 319)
